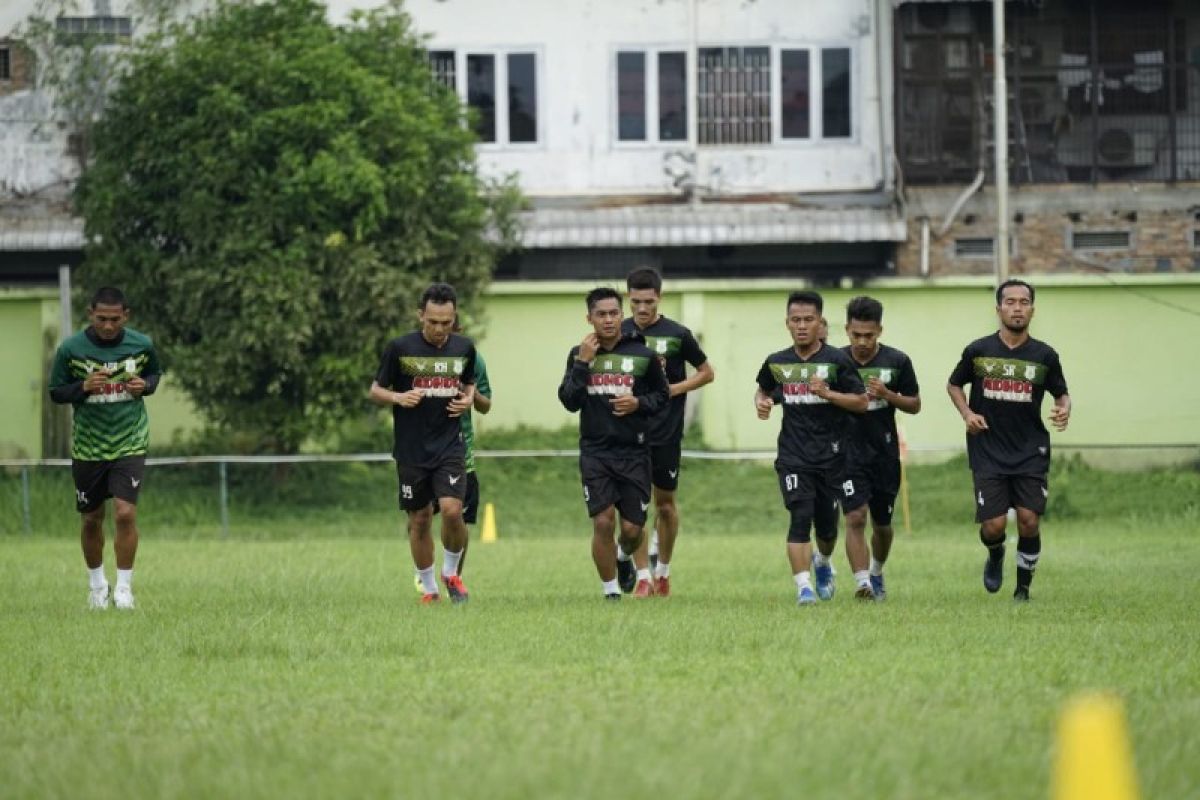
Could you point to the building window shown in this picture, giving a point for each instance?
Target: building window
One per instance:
(835, 93)
(1100, 240)
(793, 94)
(975, 247)
(631, 97)
(652, 86)
(443, 67)
(672, 97)
(112, 30)
(5, 64)
(481, 94)
(522, 98)
(734, 95)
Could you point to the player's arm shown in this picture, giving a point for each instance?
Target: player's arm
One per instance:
(483, 387)
(145, 383)
(63, 386)
(975, 422)
(850, 395)
(764, 395)
(907, 396)
(381, 392)
(465, 399)
(657, 391)
(1060, 413)
(703, 376)
(1056, 385)
(573, 389)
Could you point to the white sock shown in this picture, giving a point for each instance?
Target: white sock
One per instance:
(125, 578)
(450, 563)
(862, 578)
(802, 580)
(820, 559)
(622, 555)
(663, 570)
(654, 543)
(611, 587)
(643, 574)
(96, 579)
(428, 583)
(876, 567)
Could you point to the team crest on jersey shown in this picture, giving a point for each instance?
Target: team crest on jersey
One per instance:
(1030, 372)
(661, 346)
(627, 365)
(885, 375)
(822, 372)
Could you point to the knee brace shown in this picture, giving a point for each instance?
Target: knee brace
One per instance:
(798, 530)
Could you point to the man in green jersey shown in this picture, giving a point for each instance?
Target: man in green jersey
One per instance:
(104, 372)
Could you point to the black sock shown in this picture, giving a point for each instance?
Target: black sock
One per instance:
(995, 547)
(1029, 548)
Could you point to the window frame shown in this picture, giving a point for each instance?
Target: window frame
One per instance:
(500, 54)
(651, 53)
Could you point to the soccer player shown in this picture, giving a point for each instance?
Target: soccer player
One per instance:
(618, 386)
(675, 346)
(428, 379)
(104, 372)
(1007, 445)
(873, 461)
(820, 389)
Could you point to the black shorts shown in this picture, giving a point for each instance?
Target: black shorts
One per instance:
(814, 492)
(420, 486)
(996, 494)
(664, 465)
(620, 482)
(876, 483)
(96, 481)
(471, 501)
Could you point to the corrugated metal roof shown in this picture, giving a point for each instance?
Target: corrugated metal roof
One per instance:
(41, 233)
(708, 224)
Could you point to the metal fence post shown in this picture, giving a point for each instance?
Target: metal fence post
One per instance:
(26, 515)
(224, 501)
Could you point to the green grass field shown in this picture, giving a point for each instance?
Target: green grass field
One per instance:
(293, 658)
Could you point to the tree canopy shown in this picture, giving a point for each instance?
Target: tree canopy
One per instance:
(273, 192)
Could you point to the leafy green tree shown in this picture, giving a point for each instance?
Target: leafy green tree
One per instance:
(273, 192)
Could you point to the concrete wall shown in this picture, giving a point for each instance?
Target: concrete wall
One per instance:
(1102, 331)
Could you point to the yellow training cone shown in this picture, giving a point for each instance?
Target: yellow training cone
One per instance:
(1094, 759)
(489, 524)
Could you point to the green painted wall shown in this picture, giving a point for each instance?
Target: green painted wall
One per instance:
(1127, 345)
(1141, 331)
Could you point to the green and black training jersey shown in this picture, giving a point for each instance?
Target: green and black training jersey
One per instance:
(674, 345)
(482, 386)
(874, 433)
(1007, 387)
(629, 368)
(814, 431)
(426, 435)
(113, 423)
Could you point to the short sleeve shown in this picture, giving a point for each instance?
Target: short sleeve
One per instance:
(482, 384)
(691, 350)
(766, 379)
(1056, 382)
(388, 375)
(906, 381)
(964, 371)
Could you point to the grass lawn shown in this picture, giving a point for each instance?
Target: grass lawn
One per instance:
(303, 666)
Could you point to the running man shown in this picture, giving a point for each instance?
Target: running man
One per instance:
(428, 379)
(675, 347)
(820, 389)
(873, 474)
(1007, 445)
(104, 372)
(618, 386)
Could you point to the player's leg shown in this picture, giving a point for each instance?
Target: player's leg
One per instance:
(600, 496)
(124, 484)
(826, 511)
(91, 491)
(449, 487)
(664, 466)
(470, 514)
(1030, 501)
(416, 500)
(632, 479)
(853, 492)
(885, 486)
(799, 498)
(992, 502)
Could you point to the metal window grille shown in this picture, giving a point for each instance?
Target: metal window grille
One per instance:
(733, 95)
(107, 28)
(441, 64)
(5, 64)
(1100, 240)
(975, 247)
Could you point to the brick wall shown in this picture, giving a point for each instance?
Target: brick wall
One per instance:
(20, 67)
(1161, 223)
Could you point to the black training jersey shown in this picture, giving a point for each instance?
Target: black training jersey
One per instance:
(629, 368)
(674, 344)
(1007, 386)
(874, 433)
(426, 435)
(814, 431)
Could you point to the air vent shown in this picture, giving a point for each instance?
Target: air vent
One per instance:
(975, 247)
(1100, 240)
